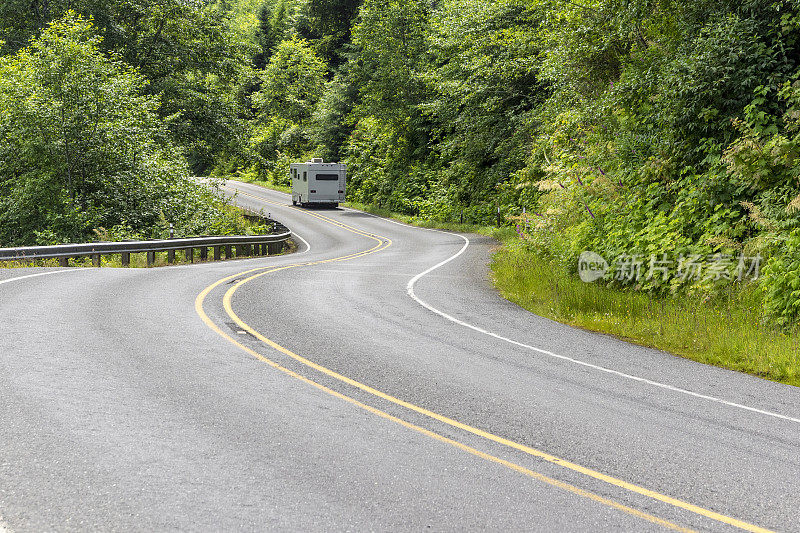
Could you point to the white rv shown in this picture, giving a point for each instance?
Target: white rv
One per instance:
(316, 182)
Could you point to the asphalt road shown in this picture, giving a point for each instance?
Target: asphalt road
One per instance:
(352, 386)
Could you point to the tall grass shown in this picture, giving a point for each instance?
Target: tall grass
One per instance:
(727, 331)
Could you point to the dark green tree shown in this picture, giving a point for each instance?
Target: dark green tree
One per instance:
(486, 84)
(327, 25)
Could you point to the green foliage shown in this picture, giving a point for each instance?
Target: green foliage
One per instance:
(781, 283)
(330, 126)
(727, 331)
(195, 64)
(669, 130)
(292, 82)
(244, 16)
(368, 167)
(327, 26)
(274, 25)
(387, 73)
(486, 84)
(291, 85)
(82, 147)
(391, 38)
(193, 61)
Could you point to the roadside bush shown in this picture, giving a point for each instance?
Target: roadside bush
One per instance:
(82, 147)
(781, 284)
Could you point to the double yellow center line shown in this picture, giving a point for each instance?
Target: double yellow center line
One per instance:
(381, 244)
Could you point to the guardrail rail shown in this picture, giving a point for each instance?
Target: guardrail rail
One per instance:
(230, 245)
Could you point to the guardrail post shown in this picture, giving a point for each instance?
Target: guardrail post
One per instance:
(203, 253)
(63, 261)
(151, 258)
(248, 250)
(239, 250)
(217, 253)
(228, 251)
(170, 256)
(126, 259)
(264, 249)
(96, 260)
(275, 248)
(190, 255)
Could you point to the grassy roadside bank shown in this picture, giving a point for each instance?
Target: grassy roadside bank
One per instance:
(499, 233)
(725, 332)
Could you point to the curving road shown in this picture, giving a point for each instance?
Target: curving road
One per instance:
(372, 381)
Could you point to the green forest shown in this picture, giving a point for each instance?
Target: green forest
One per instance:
(625, 127)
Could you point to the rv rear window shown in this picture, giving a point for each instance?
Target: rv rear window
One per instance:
(327, 177)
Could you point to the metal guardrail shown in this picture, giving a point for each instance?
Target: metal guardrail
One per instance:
(245, 246)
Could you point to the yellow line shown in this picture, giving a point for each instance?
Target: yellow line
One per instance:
(436, 416)
(483, 455)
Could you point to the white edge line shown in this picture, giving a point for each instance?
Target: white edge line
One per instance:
(308, 246)
(36, 276)
(410, 291)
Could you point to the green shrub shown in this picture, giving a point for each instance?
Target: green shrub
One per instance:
(781, 283)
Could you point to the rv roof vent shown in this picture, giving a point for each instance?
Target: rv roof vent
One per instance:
(316, 160)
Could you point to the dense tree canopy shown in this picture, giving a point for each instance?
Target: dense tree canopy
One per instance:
(83, 147)
(185, 49)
